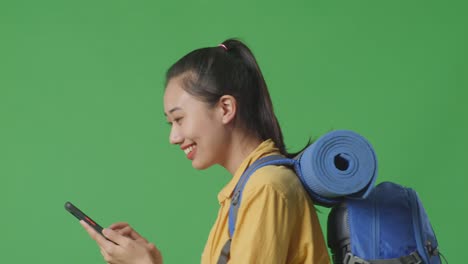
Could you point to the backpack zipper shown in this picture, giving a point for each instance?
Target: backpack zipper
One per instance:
(417, 226)
(376, 230)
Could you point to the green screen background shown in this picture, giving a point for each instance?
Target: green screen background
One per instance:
(81, 115)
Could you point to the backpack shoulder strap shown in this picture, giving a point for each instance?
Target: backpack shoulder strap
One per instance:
(237, 196)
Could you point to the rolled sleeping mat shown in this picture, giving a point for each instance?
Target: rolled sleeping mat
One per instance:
(339, 164)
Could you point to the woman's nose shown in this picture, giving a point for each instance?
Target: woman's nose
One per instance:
(175, 136)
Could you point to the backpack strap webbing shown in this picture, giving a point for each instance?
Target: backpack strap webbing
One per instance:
(237, 196)
(225, 251)
(412, 258)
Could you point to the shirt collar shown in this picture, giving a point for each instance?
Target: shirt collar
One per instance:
(266, 148)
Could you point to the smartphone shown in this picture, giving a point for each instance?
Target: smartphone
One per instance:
(82, 216)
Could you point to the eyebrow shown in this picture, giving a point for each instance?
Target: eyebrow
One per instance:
(173, 110)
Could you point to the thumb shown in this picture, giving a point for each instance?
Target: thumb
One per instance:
(114, 236)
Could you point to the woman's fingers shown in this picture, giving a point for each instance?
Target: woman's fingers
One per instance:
(136, 236)
(102, 242)
(155, 253)
(105, 255)
(126, 230)
(118, 225)
(131, 249)
(115, 236)
(91, 232)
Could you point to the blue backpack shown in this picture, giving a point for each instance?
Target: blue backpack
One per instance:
(340, 164)
(390, 226)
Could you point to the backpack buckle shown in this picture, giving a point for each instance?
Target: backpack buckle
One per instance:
(416, 258)
(349, 258)
(235, 198)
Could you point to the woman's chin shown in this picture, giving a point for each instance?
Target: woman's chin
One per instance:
(200, 165)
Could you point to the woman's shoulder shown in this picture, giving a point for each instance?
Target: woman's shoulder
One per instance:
(281, 179)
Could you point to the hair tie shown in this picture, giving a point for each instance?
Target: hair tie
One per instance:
(223, 46)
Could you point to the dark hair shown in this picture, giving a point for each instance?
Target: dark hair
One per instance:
(231, 69)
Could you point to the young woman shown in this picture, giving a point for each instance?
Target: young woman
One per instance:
(220, 112)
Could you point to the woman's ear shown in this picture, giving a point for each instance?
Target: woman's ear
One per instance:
(228, 107)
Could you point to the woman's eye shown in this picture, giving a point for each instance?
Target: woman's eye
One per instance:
(178, 120)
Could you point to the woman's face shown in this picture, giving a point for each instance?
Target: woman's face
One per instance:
(195, 126)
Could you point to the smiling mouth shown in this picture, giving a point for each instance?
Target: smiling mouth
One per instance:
(189, 149)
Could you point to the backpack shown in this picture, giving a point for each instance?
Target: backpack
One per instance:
(390, 226)
(339, 164)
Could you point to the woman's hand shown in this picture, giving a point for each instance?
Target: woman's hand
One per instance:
(131, 247)
(126, 230)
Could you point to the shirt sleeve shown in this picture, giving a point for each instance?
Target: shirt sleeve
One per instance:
(264, 227)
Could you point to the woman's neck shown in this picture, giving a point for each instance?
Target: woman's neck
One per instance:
(240, 147)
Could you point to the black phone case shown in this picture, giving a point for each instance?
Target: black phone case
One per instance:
(82, 216)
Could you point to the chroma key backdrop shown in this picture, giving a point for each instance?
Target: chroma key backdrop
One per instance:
(81, 114)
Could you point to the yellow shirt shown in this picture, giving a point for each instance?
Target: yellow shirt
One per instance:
(276, 221)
